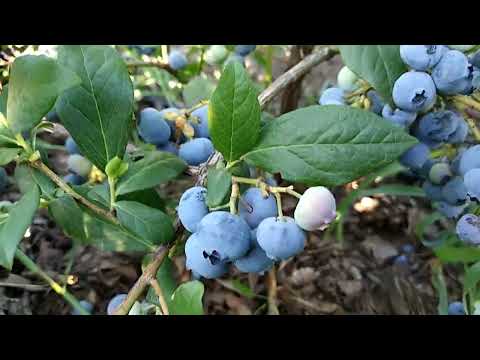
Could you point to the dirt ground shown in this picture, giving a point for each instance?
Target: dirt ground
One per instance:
(355, 277)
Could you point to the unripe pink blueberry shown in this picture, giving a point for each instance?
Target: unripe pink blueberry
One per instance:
(316, 209)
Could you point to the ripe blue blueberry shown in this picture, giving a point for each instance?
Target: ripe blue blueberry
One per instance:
(470, 159)
(440, 173)
(408, 249)
(280, 238)
(316, 209)
(192, 207)
(196, 151)
(201, 124)
(116, 301)
(438, 127)
(152, 127)
(415, 157)
(475, 59)
(224, 235)
(244, 50)
(71, 146)
(433, 192)
(398, 117)
(253, 207)
(177, 60)
(376, 102)
(256, 261)
(201, 263)
(461, 47)
(468, 229)
(456, 308)
(79, 165)
(450, 211)
(52, 116)
(454, 192)
(414, 91)
(401, 260)
(170, 147)
(3, 180)
(74, 179)
(347, 80)
(453, 74)
(86, 305)
(472, 183)
(332, 96)
(422, 57)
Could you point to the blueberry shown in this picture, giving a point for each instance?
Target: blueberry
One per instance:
(468, 229)
(460, 134)
(414, 91)
(455, 164)
(177, 60)
(472, 183)
(453, 74)
(215, 54)
(315, 209)
(475, 59)
(71, 146)
(347, 80)
(201, 125)
(152, 127)
(415, 157)
(244, 50)
(256, 261)
(433, 192)
(192, 207)
(454, 192)
(476, 79)
(253, 207)
(376, 102)
(3, 180)
(79, 165)
(422, 57)
(450, 211)
(196, 151)
(456, 308)
(440, 173)
(116, 301)
(470, 159)
(170, 147)
(332, 96)
(52, 116)
(408, 249)
(438, 127)
(234, 58)
(424, 172)
(398, 117)
(74, 179)
(280, 238)
(401, 260)
(86, 305)
(224, 235)
(461, 47)
(201, 263)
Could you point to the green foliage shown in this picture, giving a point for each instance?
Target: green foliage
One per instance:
(187, 299)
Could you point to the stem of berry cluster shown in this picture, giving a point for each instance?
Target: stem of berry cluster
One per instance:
(234, 197)
(264, 186)
(30, 265)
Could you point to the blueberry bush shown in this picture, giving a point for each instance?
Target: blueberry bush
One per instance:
(408, 110)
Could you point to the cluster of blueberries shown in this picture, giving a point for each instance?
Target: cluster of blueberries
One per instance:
(79, 167)
(434, 69)
(253, 239)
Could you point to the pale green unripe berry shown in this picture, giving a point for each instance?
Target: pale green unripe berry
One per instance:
(216, 54)
(347, 80)
(79, 165)
(462, 48)
(316, 209)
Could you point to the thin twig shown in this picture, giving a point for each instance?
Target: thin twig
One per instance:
(161, 298)
(158, 65)
(272, 292)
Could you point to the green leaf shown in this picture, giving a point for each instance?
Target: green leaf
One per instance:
(69, 216)
(147, 197)
(167, 284)
(243, 289)
(98, 113)
(116, 168)
(219, 185)
(7, 155)
(380, 65)
(452, 254)
(149, 223)
(187, 299)
(328, 145)
(198, 89)
(3, 101)
(472, 277)
(13, 229)
(155, 168)
(439, 284)
(234, 113)
(394, 189)
(34, 86)
(27, 177)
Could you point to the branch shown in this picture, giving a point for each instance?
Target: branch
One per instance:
(158, 65)
(161, 298)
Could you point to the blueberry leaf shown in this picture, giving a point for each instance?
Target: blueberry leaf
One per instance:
(7, 155)
(328, 145)
(187, 299)
(234, 113)
(13, 228)
(219, 184)
(69, 216)
(380, 65)
(197, 89)
(452, 254)
(34, 86)
(167, 284)
(98, 112)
